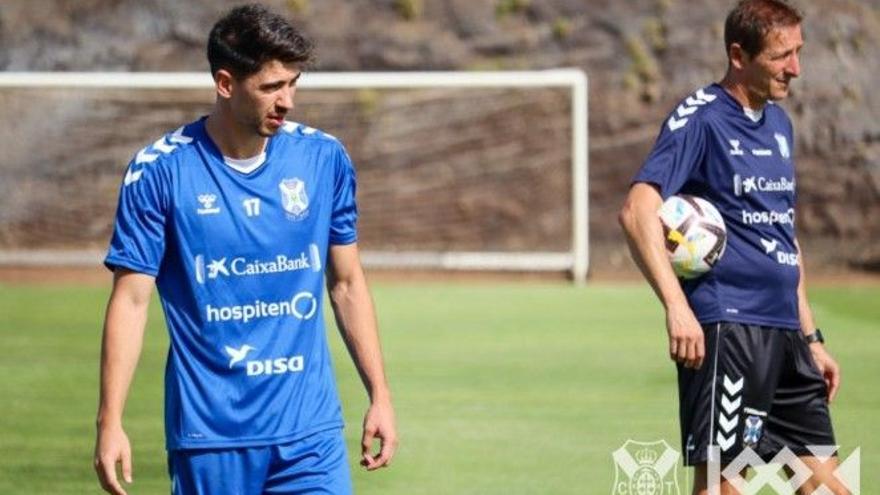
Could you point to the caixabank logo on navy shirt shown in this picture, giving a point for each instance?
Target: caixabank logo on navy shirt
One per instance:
(743, 185)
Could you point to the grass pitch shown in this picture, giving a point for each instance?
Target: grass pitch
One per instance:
(499, 388)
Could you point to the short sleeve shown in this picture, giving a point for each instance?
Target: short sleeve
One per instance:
(343, 223)
(677, 153)
(138, 241)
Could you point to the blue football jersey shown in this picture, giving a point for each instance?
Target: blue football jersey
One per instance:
(239, 265)
(709, 147)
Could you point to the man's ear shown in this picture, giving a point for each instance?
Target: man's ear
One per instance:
(223, 82)
(738, 57)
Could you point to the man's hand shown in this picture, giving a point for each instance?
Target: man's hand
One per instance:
(379, 423)
(112, 447)
(686, 342)
(828, 367)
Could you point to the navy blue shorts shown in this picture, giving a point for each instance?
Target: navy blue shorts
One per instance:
(317, 464)
(758, 388)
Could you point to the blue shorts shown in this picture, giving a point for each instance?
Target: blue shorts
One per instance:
(317, 464)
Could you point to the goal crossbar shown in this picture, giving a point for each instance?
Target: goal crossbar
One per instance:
(576, 261)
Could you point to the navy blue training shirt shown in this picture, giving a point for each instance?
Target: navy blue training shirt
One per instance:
(709, 147)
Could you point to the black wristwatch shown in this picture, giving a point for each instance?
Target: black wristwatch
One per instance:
(814, 337)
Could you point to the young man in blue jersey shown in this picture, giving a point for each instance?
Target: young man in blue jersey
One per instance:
(235, 217)
(753, 371)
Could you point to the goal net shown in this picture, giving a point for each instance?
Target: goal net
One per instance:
(456, 170)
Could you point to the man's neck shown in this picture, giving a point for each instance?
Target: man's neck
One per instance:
(231, 139)
(740, 93)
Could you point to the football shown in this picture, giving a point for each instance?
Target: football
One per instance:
(694, 234)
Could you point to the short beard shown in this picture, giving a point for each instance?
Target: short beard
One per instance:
(266, 133)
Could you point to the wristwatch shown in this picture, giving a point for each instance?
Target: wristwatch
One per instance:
(814, 337)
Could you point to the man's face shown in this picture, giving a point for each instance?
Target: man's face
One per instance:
(768, 74)
(260, 101)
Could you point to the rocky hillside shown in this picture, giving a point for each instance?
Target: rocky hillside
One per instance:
(641, 57)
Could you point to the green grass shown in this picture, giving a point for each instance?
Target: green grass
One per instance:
(507, 389)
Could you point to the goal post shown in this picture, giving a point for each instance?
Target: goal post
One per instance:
(574, 258)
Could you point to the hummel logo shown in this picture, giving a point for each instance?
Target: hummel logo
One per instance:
(162, 146)
(690, 105)
(728, 416)
(217, 267)
(237, 354)
(733, 387)
(707, 97)
(728, 424)
(207, 201)
(159, 147)
(144, 157)
(684, 111)
(132, 177)
(769, 246)
(735, 150)
(178, 137)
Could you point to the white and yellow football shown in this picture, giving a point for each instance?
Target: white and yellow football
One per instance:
(694, 233)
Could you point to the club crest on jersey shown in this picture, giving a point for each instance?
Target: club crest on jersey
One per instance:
(294, 198)
(783, 145)
(752, 431)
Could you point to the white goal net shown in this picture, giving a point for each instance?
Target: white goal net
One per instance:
(456, 170)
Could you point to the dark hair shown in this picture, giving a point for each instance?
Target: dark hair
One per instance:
(750, 21)
(249, 36)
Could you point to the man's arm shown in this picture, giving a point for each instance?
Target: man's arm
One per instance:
(644, 234)
(121, 347)
(827, 365)
(356, 319)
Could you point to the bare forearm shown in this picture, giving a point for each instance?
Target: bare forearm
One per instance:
(120, 351)
(805, 314)
(808, 323)
(644, 235)
(356, 319)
